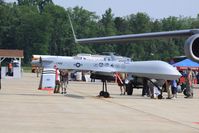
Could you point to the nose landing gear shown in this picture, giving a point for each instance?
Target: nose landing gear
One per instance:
(104, 91)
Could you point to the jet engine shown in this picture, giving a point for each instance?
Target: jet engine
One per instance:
(191, 47)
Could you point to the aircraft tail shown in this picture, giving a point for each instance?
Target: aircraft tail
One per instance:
(72, 28)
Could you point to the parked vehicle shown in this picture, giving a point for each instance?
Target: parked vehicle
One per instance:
(133, 82)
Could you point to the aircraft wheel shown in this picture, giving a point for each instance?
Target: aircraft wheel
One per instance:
(101, 93)
(129, 89)
(160, 96)
(106, 94)
(185, 92)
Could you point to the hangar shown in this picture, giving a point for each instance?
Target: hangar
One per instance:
(11, 58)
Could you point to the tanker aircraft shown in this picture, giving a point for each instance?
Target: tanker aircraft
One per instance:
(191, 46)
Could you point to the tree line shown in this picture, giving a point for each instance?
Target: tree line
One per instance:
(41, 27)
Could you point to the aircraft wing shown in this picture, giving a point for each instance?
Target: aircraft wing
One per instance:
(143, 36)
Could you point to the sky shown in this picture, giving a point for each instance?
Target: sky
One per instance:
(156, 9)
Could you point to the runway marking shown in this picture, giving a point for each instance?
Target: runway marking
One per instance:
(138, 110)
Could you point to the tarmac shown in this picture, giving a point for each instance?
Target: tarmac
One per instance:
(25, 109)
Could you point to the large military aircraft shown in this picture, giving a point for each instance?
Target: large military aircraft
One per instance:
(191, 46)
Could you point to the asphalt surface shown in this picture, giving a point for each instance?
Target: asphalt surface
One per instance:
(25, 109)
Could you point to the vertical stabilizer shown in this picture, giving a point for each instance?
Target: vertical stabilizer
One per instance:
(72, 28)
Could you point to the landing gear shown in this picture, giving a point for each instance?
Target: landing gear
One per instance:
(104, 92)
(101, 93)
(106, 95)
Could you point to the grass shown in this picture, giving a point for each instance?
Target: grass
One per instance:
(27, 69)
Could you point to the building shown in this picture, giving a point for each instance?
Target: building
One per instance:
(10, 61)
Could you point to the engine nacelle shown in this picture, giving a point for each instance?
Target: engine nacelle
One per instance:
(191, 47)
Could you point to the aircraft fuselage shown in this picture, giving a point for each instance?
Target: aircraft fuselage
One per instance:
(148, 69)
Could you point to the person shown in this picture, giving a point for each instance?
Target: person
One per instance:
(9, 69)
(63, 80)
(155, 87)
(120, 82)
(167, 86)
(0, 76)
(197, 77)
(145, 90)
(159, 84)
(179, 87)
(189, 81)
(151, 88)
(37, 71)
(174, 88)
(92, 78)
(57, 80)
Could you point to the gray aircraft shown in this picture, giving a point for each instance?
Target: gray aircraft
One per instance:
(191, 46)
(147, 69)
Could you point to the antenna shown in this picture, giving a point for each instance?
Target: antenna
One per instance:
(72, 28)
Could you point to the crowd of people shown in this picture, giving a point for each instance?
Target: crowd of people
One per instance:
(151, 87)
(155, 88)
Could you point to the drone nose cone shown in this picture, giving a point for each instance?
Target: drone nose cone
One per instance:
(171, 70)
(155, 69)
(166, 71)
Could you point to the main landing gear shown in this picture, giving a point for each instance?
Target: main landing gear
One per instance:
(104, 91)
